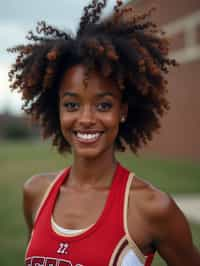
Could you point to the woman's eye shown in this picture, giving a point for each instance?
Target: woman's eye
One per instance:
(104, 106)
(71, 106)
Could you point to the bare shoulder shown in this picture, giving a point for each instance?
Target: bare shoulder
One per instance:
(150, 201)
(33, 191)
(37, 184)
(37, 180)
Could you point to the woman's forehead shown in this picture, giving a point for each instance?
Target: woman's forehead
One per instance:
(77, 79)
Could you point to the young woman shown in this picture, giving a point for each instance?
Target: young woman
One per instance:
(98, 92)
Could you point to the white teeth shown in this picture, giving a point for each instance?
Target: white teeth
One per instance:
(85, 136)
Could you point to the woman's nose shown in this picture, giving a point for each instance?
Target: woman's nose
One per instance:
(87, 116)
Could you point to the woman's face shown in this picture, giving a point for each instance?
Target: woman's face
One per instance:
(89, 115)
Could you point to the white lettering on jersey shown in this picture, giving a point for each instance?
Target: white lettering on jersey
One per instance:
(47, 261)
(62, 248)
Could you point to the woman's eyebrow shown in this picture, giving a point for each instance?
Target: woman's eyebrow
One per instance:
(98, 95)
(103, 94)
(71, 94)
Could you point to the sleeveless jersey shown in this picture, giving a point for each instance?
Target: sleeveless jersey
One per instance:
(106, 243)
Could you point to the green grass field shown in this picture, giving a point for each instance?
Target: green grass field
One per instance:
(18, 161)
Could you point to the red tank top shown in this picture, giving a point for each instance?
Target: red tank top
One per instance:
(106, 243)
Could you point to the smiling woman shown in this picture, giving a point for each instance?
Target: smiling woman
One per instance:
(98, 92)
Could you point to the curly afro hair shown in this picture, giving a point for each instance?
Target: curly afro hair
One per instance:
(125, 46)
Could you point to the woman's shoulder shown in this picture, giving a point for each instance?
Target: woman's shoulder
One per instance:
(33, 192)
(150, 201)
(154, 208)
(38, 183)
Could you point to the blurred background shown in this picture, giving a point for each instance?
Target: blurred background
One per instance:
(171, 160)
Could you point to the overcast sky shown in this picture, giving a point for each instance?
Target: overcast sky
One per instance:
(17, 18)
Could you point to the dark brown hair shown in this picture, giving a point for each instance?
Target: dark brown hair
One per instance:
(125, 46)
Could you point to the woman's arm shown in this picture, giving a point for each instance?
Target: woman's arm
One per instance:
(174, 239)
(165, 224)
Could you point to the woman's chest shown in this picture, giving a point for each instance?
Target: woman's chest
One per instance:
(82, 210)
(79, 209)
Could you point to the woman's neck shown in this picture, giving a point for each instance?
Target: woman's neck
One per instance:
(92, 172)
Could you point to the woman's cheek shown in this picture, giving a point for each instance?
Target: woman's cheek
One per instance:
(111, 120)
(66, 122)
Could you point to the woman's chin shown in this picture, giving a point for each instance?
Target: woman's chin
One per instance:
(87, 153)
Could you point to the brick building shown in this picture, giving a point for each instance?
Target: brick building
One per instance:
(180, 132)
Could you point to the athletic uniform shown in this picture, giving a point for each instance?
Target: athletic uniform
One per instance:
(106, 243)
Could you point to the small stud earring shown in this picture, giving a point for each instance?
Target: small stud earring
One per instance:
(123, 119)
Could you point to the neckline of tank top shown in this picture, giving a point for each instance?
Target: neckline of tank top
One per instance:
(67, 231)
(105, 211)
